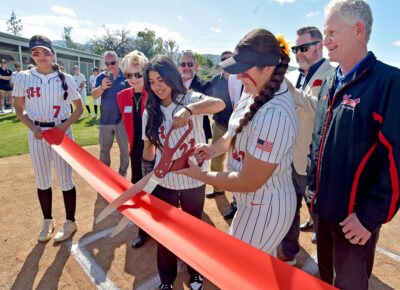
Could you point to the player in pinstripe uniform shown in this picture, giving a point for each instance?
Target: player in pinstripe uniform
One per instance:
(169, 105)
(80, 81)
(42, 102)
(261, 137)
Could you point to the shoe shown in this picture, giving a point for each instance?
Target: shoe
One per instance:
(307, 225)
(314, 238)
(68, 228)
(138, 242)
(89, 115)
(196, 282)
(290, 261)
(95, 115)
(230, 213)
(12, 110)
(47, 230)
(166, 287)
(212, 194)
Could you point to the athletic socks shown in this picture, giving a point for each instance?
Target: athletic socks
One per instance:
(95, 109)
(45, 199)
(70, 203)
(87, 108)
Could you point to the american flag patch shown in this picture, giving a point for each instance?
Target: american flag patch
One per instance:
(264, 145)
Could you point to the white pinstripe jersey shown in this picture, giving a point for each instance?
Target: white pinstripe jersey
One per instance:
(78, 80)
(44, 95)
(270, 136)
(171, 180)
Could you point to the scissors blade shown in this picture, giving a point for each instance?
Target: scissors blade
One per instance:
(121, 225)
(124, 197)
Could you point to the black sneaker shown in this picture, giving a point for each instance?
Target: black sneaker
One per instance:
(196, 282)
(166, 287)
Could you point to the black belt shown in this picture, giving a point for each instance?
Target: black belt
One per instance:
(47, 124)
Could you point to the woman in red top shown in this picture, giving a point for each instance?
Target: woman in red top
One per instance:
(131, 102)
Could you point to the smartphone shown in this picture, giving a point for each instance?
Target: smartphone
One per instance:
(110, 76)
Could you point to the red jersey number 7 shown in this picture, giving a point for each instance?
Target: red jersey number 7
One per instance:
(57, 108)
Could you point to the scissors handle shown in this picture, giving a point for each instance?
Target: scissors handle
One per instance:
(182, 162)
(164, 166)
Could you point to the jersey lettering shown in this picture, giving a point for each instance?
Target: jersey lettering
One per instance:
(32, 91)
(57, 108)
(184, 146)
(238, 156)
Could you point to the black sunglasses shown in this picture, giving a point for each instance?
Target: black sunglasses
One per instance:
(110, 63)
(304, 47)
(137, 75)
(189, 64)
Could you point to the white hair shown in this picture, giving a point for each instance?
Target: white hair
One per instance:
(133, 58)
(351, 12)
(111, 53)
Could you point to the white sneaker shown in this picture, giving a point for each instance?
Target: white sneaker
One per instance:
(68, 228)
(89, 115)
(95, 115)
(47, 230)
(12, 109)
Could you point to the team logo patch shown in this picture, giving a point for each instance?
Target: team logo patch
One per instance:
(265, 145)
(348, 103)
(317, 83)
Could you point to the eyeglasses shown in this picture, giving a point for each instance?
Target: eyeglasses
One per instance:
(37, 54)
(137, 75)
(188, 64)
(304, 47)
(110, 63)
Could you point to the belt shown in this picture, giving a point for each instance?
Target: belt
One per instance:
(47, 124)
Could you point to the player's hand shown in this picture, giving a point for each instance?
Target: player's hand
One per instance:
(63, 127)
(354, 231)
(106, 84)
(194, 171)
(181, 118)
(38, 133)
(203, 152)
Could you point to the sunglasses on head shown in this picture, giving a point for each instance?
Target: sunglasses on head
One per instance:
(188, 64)
(110, 63)
(137, 75)
(304, 47)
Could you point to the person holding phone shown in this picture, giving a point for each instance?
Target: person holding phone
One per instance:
(108, 85)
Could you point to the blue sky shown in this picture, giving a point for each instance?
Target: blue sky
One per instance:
(206, 26)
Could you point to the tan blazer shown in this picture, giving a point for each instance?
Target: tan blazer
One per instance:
(306, 103)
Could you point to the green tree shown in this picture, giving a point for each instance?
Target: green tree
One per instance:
(147, 42)
(171, 48)
(14, 25)
(118, 41)
(67, 37)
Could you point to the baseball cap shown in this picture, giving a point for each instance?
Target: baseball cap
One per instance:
(75, 66)
(40, 41)
(3, 60)
(244, 58)
(95, 68)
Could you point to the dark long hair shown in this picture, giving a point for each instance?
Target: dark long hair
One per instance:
(172, 77)
(61, 75)
(265, 43)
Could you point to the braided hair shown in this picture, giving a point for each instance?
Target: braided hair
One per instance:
(61, 75)
(172, 77)
(263, 42)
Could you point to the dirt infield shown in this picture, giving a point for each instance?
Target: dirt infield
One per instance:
(92, 260)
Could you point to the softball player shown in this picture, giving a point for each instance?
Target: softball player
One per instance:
(168, 105)
(42, 97)
(80, 82)
(92, 84)
(261, 137)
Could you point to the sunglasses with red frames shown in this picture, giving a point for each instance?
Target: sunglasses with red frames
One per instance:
(189, 64)
(110, 63)
(304, 47)
(137, 75)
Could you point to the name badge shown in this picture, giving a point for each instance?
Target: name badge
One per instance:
(128, 109)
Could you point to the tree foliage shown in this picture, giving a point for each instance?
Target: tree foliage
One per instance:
(147, 42)
(171, 49)
(67, 37)
(118, 41)
(14, 24)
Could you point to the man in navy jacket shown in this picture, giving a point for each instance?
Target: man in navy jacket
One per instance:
(354, 161)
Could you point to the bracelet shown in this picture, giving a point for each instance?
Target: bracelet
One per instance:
(190, 111)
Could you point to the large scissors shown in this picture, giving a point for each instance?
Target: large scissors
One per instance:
(151, 180)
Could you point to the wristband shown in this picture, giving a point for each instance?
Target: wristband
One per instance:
(189, 110)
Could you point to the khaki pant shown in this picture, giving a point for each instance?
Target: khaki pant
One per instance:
(217, 163)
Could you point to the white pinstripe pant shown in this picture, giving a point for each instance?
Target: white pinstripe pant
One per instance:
(43, 156)
(265, 226)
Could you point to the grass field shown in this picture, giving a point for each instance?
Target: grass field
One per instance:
(14, 134)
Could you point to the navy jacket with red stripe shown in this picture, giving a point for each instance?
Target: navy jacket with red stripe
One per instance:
(354, 160)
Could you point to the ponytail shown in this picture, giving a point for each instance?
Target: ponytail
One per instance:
(61, 75)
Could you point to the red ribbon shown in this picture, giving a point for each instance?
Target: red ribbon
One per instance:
(224, 260)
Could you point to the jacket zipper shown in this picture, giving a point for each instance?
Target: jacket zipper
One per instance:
(324, 134)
